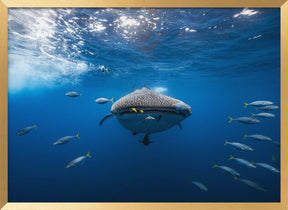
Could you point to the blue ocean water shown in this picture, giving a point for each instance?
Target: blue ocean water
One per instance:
(212, 59)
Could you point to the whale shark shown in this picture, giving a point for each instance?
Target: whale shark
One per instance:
(132, 110)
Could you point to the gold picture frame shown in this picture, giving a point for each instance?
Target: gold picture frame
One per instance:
(5, 4)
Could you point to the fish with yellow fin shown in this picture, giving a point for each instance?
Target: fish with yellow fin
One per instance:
(26, 130)
(103, 100)
(250, 184)
(66, 139)
(78, 161)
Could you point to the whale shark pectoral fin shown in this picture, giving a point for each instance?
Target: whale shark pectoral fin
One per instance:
(104, 118)
(180, 126)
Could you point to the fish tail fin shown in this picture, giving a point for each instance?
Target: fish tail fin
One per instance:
(112, 100)
(252, 115)
(226, 142)
(235, 178)
(245, 136)
(134, 109)
(35, 126)
(88, 155)
(107, 70)
(231, 157)
(245, 104)
(77, 135)
(141, 111)
(80, 94)
(189, 181)
(230, 119)
(215, 165)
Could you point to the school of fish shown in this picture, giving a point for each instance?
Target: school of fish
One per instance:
(263, 106)
(259, 105)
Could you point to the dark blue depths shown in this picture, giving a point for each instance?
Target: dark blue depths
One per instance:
(213, 69)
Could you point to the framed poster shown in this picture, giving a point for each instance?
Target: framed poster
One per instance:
(143, 105)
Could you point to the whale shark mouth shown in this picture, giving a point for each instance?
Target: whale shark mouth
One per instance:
(155, 111)
(161, 120)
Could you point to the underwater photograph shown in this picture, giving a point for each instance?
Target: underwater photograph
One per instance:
(144, 105)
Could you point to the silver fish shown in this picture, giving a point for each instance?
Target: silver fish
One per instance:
(263, 115)
(245, 120)
(78, 161)
(200, 185)
(227, 169)
(103, 69)
(66, 139)
(239, 146)
(243, 162)
(26, 130)
(258, 137)
(258, 103)
(268, 167)
(268, 108)
(104, 100)
(251, 184)
(73, 94)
